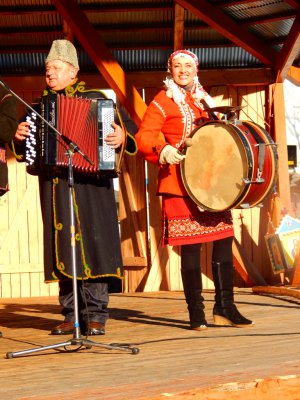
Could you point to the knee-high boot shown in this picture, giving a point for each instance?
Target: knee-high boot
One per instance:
(225, 311)
(192, 286)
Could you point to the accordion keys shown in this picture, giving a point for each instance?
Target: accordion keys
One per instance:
(105, 119)
(31, 141)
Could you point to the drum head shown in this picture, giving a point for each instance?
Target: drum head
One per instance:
(215, 165)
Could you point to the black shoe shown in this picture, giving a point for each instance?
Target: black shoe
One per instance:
(230, 316)
(197, 317)
(95, 328)
(66, 328)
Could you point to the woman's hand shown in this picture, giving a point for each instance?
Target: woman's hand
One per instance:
(22, 131)
(116, 138)
(170, 155)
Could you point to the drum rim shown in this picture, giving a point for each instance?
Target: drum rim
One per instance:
(248, 152)
(274, 158)
(266, 138)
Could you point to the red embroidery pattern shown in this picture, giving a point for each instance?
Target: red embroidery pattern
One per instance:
(187, 227)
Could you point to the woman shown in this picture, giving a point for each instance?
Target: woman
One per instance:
(169, 120)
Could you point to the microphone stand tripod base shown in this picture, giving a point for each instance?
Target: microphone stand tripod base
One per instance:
(79, 342)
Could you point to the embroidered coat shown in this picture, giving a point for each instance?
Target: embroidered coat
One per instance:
(164, 123)
(8, 127)
(98, 250)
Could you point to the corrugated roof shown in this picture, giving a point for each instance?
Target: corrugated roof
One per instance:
(140, 33)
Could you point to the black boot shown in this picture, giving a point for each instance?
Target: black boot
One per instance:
(192, 285)
(225, 311)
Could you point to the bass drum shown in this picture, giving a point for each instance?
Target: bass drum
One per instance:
(229, 166)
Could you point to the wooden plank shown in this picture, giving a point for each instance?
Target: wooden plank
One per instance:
(168, 364)
(139, 262)
(15, 283)
(21, 268)
(25, 285)
(35, 289)
(134, 209)
(6, 285)
(18, 215)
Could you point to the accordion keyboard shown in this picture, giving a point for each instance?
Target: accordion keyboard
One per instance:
(31, 140)
(106, 116)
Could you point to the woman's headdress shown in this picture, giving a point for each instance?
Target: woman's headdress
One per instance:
(183, 53)
(173, 90)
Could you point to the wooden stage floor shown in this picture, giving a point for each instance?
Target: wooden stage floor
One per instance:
(173, 362)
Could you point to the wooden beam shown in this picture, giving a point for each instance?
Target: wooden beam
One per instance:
(226, 3)
(289, 51)
(50, 10)
(67, 32)
(279, 16)
(102, 57)
(279, 127)
(225, 25)
(178, 27)
(146, 79)
(294, 75)
(294, 3)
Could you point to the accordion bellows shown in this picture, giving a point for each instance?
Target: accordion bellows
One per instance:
(82, 121)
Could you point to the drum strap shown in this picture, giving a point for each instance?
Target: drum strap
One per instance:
(261, 153)
(261, 159)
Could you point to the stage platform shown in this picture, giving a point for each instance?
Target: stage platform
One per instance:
(261, 362)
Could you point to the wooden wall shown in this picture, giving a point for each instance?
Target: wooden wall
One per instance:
(21, 244)
(148, 266)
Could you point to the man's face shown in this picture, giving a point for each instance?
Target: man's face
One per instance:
(59, 74)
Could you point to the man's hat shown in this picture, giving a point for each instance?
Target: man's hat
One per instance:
(63, 50)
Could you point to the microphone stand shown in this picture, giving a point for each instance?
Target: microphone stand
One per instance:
(77, 340)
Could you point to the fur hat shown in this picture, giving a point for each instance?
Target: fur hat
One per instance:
(63, 50)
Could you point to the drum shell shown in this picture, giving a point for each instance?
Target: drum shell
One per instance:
(221, 166)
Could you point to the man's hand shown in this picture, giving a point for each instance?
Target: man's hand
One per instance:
(115, 139)
(22, 131)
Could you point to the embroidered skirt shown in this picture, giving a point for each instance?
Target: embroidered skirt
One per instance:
(184, 223)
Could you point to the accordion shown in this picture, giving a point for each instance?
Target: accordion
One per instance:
(86, 122)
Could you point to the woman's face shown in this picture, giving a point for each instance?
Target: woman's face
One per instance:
(59, 74)
(183, 71)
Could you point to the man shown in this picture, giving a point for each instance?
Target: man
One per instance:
(98, 252)
(8, 126)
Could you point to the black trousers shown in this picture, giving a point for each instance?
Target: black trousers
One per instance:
(92, 300)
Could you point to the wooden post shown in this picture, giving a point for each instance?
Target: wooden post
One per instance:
(279, 127)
